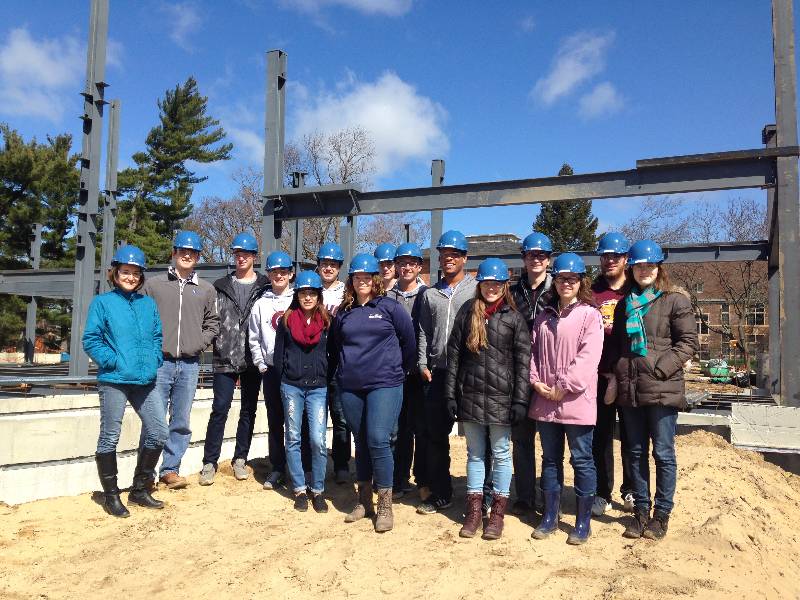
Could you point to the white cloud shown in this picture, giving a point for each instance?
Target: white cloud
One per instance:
(185, 20)
(603, 99)
(404, 125)
(39, 77)
(114, 52)
(389, 8)
(248, 145)
(527, 24)
(580, 57)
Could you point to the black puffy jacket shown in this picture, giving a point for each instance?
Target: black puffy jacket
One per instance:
(486, 384)
(231, 350)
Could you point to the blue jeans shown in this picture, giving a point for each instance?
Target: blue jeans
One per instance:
(176, 382)
(643, 424)
(579, 439)
(500, 440)
(372, 417)
(147, 403)
(313, 402)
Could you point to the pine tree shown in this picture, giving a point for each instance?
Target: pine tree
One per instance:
(157, 193)
(569, 224)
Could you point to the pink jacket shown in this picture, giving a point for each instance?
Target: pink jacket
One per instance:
(565, 352)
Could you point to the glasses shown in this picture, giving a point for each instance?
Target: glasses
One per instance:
(537, 255)
(408, 265)
(568, 280)
(129, 275)
(612, 256)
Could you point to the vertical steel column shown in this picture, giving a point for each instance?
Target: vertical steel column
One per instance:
(89, 193)
(437, 219)
(298, 181)
(110, 195)
(349, 235)
(773, 273)
(30, 316)
(787, 200)
(273, 149)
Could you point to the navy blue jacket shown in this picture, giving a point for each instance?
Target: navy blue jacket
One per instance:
(298, 366)
(372, 346)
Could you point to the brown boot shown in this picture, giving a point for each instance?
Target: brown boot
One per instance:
(494, 529)
(472, 515)
(385, 520)
(364, 508)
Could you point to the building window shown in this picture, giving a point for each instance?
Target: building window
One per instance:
(705, 353)
(755, 316)
(697, 288)
(725, 314)
(702, 323)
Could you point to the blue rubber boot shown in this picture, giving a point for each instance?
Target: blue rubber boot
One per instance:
(583, 521)
(549, 523)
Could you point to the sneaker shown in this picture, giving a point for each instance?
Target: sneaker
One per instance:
(600, 506)
(627, 502)
(301, 502)
(342, 476)
(207, 474)
(319, 504)
(520, 507)
(173, 481)
(273, 481)
(240, 469)
(657, 526)
(433, 504)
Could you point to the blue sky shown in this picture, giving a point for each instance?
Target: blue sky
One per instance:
(499, 90)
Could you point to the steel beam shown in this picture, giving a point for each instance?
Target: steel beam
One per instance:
(769, 138)
(110, 195)
(298, 181)
(274, 132)
(88, 197)
(787, 200)
(700, 173)
(30, 314)
(348, 236)
(437, 219)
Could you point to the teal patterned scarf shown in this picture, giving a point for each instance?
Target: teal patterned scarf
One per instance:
(637, 305)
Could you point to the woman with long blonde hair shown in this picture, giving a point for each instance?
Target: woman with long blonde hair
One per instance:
(487, 389)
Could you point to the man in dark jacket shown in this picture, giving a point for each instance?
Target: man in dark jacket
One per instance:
(236, 294)
(189, 319)
(531, 294)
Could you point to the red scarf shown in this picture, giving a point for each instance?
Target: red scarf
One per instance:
(305, 334)
(493, 308)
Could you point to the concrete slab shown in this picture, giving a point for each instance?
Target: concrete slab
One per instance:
(766, 428)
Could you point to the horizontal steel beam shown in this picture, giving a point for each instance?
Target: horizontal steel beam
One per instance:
(697, 173)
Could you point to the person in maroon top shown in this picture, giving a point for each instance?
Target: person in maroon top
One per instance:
(609, 288)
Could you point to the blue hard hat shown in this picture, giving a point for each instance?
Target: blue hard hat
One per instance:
(645, 251)
(129, 255)
(492, 269)
(245, 241)
(188, 239)
(452, 239)
(330, 251)
(537, 241)
(308, 280)
(569, 262)
(364, 263)
(385, 251)
(279, 260)
(408, 249)
(613, 242)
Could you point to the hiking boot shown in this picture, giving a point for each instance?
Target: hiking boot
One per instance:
(365, 507)
(657, 526)
(319, 504)
(301, 502)
(636, 526)
(240, 469)
(433, 505)
(207, 474)
(627, 503)
(472, 515)
(173, 481)
(145, 463)
(494, 528)
(550, 515)
(385, 519)
(273, 480)
(583, 521)
(520, 507)
(107, 471)
(600, 506)
(342, 476)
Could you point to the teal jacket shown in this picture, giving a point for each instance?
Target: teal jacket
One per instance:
(123, 336)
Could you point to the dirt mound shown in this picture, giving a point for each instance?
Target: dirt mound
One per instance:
(734, 532)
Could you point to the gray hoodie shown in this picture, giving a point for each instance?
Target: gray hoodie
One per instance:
(437, 312)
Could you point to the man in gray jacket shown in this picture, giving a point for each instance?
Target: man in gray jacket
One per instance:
(438, 308)
(187, 306)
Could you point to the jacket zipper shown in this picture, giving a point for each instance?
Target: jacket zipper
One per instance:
(180, 313)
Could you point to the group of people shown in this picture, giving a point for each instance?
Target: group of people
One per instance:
(395, 363)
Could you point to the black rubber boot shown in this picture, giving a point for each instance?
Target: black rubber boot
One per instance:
(107, 471)
(145, 464)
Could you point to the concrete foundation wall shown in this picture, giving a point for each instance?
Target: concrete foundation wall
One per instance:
(39, 358)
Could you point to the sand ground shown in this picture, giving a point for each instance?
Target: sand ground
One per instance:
(735, 533)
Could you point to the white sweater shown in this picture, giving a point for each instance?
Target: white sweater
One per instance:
(264, 318)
